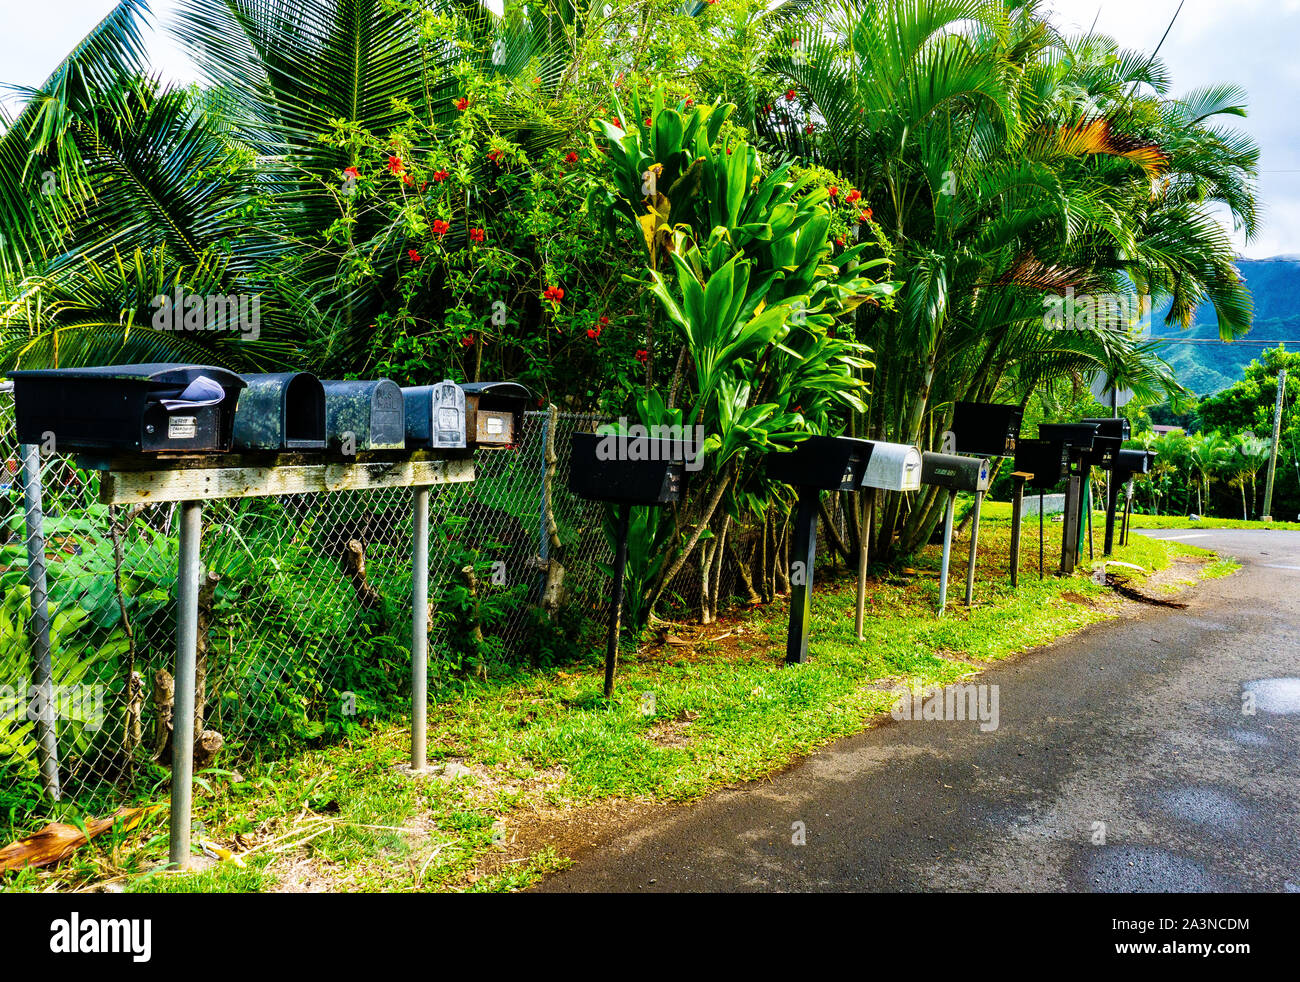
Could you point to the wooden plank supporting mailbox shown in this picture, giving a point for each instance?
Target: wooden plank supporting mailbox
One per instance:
(191, 480)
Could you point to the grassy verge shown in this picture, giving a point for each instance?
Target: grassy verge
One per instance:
(695, 710)
(1001, 511)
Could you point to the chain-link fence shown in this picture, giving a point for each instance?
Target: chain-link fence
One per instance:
(304, 611)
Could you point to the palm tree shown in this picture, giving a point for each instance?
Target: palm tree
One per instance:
(1248, 455)
(235, 188)
(1007, 164)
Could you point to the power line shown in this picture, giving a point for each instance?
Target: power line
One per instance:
(1218, 341)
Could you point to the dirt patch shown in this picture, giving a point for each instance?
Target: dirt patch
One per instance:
(571, 832)
(673, 732)
(1078, 598)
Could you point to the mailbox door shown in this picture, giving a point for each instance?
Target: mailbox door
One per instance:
(1047, 460)
(448, 416)
(120, 408)
(387, 417)
(986, 428)
(636, 471)
(1114, 426)
(1079, 436)
(494, 412)
(955, 472)
(893, 467)
(1105, 450)
(827, 463)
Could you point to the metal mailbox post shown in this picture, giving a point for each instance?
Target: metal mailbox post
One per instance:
(281, 411)
(625, 471)
(1078, 439)
(992, 429)
(132, 475)
(956, 474)
(890, 467)
(1040, 464)
(817, 464)
(153, 408)
(1111, 432)
(1127, 464)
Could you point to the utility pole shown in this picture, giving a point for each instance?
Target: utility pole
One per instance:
(1272, 457)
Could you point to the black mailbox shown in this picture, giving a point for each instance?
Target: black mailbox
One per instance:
(1134, 461)
(1105, 449)
(435, 416)
(826, 463)
(1047, 460)
(364, 416)
(281, 411)
(1111, 426)
(150, 408)
(627, 470)
(494, 413)
(955, 473)
(1076, 436)
(986, 428)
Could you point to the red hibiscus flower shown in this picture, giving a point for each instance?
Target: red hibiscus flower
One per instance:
(414, 254)
(648, 122)
(462, 103)
(570, 157)
(440, 227)
(467, 341)
(809, 129)
(840, 243)
(864, 216)
(642, 355)
(690, 101)
(553, 293)
(440, 175)
(592, 334)
(789, 95)
(852, 196)
(604, 322)
(495, 157)
(351, 172)
(476, 235)
(833, 191)
(395, 165)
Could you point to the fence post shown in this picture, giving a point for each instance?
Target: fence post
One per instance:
(419, 627)
(543, 539)
(47, 747)
(189, 568)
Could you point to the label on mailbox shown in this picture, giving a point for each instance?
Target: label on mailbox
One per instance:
(182, 427)
(495, 425)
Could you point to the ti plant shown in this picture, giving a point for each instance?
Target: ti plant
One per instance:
(740, 261)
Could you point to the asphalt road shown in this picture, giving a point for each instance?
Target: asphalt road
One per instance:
(1125, 758)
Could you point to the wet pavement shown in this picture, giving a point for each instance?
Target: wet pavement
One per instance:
(1151, 753)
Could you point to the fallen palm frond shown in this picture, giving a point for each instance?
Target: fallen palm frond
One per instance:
(59, 840)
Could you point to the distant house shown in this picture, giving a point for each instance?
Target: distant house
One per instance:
(1163, 430)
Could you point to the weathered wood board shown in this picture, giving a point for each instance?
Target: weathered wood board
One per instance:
(187, 482)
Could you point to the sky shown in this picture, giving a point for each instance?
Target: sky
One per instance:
(1255, 43)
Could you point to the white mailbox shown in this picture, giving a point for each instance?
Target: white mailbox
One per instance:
(893, 467)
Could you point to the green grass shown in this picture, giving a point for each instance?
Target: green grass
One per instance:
(726, 710)
(1001, 510)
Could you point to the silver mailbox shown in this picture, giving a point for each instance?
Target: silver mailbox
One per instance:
(893, 467)
(435, 416)
(954, 472)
